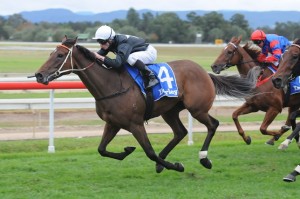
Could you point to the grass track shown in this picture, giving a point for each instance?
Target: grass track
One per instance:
(77, 171)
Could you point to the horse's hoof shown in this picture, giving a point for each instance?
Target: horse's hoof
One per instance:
(129, 149)
(282, 147)
(289, 178)
(159, 168)
(270, 142)
(285, 128)
(206, 163)
(248, 140)
(179, 167)
(284, 144)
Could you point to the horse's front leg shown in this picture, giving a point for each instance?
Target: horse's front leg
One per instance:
(290, 122)
(109, 133)
(139, 132)
(242, 110)
(288, 140)
(173, 120)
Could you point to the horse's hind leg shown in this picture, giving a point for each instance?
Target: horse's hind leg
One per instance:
(173, 120)
(290, 122)
(108, 134)
(211, 125)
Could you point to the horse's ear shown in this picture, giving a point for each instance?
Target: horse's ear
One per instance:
(295, 40)
(239, 39)
(76, 39)
(64, 39)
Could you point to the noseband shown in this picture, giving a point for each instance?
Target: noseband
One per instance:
(69, 55)
(228, 63)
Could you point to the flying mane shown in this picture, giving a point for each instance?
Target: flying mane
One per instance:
(252, 50)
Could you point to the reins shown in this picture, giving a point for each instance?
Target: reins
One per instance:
(237, 50)
(70, 54)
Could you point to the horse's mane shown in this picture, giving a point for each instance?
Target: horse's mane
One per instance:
(249, 47)
(87, 53)
(296, 41)
(252, 50)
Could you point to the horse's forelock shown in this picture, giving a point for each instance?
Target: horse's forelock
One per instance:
(69, 42)
(86, 52)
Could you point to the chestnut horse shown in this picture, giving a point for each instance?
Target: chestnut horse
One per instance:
(121, 104)
(268, 99)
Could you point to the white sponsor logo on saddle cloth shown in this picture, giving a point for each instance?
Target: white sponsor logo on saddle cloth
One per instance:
(167, 86)
(295, 85)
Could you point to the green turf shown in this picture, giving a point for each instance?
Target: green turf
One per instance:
(77, 171)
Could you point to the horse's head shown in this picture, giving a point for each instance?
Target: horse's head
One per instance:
(59, 63)
(229, 56)
(289, 65)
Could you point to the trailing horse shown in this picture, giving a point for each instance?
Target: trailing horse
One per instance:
(288, 70)
(268, 99)
(121, 104)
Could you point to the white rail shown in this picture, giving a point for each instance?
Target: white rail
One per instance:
(82, 103)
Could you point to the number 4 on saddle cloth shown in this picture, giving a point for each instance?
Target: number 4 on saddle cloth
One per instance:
(164, 73)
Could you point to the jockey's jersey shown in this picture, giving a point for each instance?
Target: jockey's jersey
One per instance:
(122, 46)
(275, 45)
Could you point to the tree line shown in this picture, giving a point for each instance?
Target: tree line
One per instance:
(162, 28)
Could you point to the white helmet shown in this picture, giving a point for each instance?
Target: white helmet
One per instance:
(104, 32)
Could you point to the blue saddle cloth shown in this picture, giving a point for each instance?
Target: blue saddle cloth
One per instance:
(295, 85)
(164, 73)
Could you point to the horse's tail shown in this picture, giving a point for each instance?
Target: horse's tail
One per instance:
(234, 85)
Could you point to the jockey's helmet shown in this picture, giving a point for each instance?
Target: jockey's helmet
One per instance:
(258, 35)
(104, 33)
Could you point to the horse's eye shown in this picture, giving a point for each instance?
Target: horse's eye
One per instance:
(229, 52)
(60, 55)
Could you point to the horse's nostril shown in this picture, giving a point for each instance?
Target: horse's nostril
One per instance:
(39, 77)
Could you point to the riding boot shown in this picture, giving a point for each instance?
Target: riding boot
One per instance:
(148, 76)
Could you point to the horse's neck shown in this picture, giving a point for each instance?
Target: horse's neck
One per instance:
(100, 82)
(246, 63)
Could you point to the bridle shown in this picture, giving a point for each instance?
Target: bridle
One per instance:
(228, 64)
(72, 69)
(292, 77)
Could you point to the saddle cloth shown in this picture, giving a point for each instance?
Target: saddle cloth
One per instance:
(164, 73)
(295, 85)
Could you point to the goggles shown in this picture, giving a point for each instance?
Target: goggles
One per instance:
(257, 42)
(101, 41)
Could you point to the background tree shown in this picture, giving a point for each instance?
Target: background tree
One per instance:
(133, 18)
(160, 28)
(213, 21)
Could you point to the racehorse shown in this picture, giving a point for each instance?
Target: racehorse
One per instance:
(288, 69)
(121, 104)
(268, 99)
(289, 65)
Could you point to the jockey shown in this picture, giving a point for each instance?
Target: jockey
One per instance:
(133, 50)
(272, 45)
